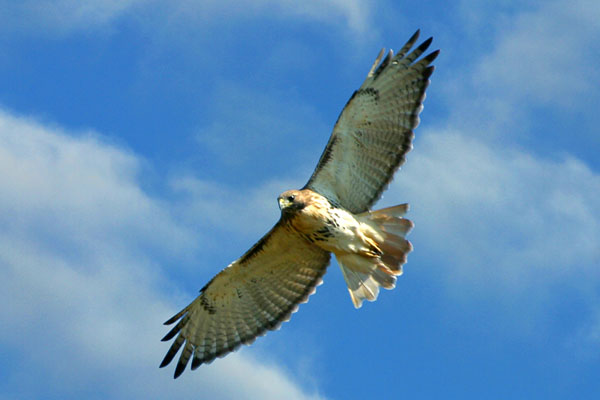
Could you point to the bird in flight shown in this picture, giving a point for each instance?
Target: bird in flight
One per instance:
(330, 214)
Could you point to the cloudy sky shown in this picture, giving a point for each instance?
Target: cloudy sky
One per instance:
(143, 144)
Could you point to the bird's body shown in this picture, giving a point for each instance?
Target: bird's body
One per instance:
(318, 221)
(370, 247)
(330, 214)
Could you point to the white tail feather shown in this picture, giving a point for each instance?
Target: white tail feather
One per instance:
(364, 274)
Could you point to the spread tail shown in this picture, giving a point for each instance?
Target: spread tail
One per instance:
(385, 231)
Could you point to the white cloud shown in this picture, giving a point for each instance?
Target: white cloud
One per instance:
(62, 16)
(86, 190)
(78, 243)
(503, 224)
(531, 66)
(355, 14)
(67, 16)
(352, 15)
(544, 55)
(224, 207)
(528, 222)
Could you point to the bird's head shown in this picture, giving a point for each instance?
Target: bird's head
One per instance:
(290, 201)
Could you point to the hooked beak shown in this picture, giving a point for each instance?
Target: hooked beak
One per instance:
(282, 203)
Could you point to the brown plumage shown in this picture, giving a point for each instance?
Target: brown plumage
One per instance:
(329, 215)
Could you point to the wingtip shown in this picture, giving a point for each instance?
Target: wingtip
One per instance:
(168, 358)
(164, 363)
(179, 370)
(426, 43)
(427, 74)
(376, 63)
(176, 316)
(196, 362)
(172, 319)
(415, 36)
(432, 56)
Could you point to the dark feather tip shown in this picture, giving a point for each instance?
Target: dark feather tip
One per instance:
(423, 46)
(428, 71)
(415, 36)
(432, 56)
(165, 361)
(176, 316)
(172, 351)
(172, 319)
(169, 356)
(179, 370)
(171, 333)
(196, 362)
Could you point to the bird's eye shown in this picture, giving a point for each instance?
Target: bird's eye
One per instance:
(291, 198)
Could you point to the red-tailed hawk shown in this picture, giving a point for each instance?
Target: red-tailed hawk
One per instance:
(260, 290)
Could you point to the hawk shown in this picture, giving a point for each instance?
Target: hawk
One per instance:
(330, 214)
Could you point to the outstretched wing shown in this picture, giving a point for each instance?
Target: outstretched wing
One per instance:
(257, 292)
(375, 129)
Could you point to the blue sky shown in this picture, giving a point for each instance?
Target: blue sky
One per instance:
(143, 144)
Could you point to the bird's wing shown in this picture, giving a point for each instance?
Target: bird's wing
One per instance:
(255, 293)
(375, 129)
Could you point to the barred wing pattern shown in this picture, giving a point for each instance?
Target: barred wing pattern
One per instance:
(375, 129)
(254, 294)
